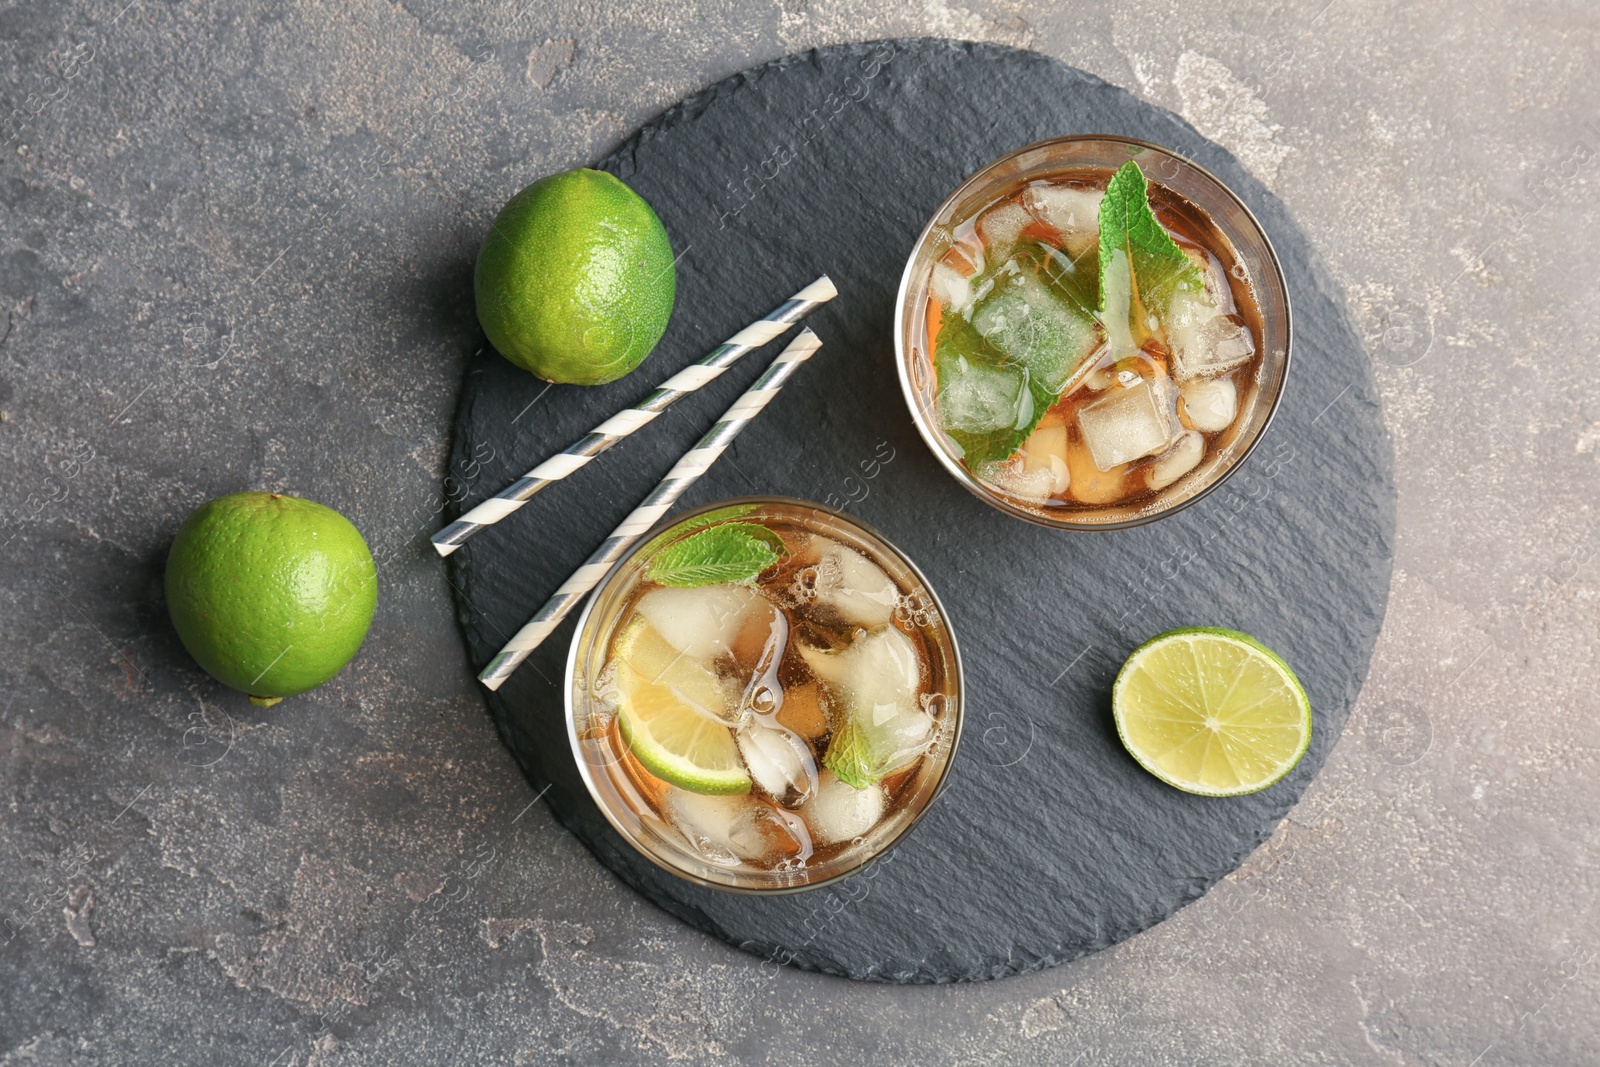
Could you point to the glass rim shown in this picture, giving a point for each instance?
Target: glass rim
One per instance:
(584, 770)
(931, 436)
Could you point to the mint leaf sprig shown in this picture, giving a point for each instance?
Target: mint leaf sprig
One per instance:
(1141, 266)
(731, 552)
(848, 756)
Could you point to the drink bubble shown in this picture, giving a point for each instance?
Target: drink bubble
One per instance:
(912, 610)
(804, 586)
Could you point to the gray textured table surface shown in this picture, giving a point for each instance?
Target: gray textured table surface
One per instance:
(236, 252)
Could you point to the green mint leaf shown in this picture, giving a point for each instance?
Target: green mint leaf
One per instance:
(1141, 266)
(847, 756)
(987, 404)
(715, 556)
(714, 516)
(760, 533)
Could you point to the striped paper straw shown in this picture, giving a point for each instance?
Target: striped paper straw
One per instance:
(625, 422)
(648, 513)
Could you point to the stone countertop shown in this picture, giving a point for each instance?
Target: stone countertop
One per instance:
(236, 253)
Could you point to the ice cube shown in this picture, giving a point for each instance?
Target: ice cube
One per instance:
(840, 812)
(728, 830)
(880, 667)
(701, 623)
(977, 398)
(1039, 470)
(1045, 451)
(1032, 323)
(896, 734)
(1000, 226)
(875, 681)
(1209, 404)
(1012, 478)
(1215, 276)
(877, 740)
(1073, 212)
(965, 256)
(778, 760)
(1183, 457)
(854, 588)
(951, 288)
(1204, 341)
(1128, 424)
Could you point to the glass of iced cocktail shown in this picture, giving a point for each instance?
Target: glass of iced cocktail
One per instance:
(764, 695)
(1092, 332)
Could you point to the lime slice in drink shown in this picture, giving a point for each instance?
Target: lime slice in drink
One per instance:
(642, 647)
(1211, 711)
(673, 729)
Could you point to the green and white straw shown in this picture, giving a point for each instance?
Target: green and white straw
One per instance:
(647, 514)
(620, 425)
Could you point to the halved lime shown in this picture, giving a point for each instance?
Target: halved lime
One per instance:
(1211, 711)
(676, 741)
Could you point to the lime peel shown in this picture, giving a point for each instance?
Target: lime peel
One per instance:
(271, 594)
(576, 279)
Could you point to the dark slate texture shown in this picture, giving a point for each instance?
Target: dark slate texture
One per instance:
(1049, 842)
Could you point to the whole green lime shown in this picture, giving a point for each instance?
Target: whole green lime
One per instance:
(575, 280)
(271, 594)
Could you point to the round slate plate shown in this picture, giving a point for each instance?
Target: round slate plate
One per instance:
(1049, 841)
